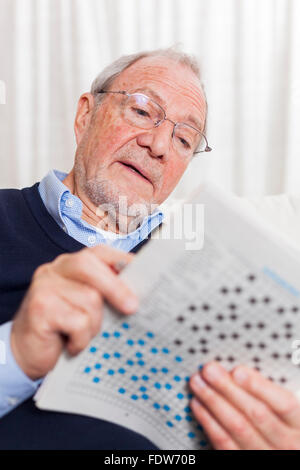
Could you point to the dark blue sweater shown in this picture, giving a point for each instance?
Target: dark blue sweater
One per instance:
(31, 237)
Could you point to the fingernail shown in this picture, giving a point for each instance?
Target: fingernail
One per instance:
(213, 371)
(198, 382)
(131, 304)
(240, 376)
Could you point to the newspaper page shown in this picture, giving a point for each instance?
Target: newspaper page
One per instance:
(236, 300)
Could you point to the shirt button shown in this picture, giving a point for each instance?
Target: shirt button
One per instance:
(64, 228)
(91, 239)
(12, 401)
(69, 203)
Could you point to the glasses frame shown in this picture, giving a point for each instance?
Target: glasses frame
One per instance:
(125, 93)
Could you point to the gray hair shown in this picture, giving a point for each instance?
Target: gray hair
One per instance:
(106, 78)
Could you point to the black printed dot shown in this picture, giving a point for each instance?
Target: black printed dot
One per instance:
(295, 309)
(248, 326)
(233, 317)
(195, 328)
(261, 345)
(180, 319)
(252, 300)
(222, 336)
(207, 327)
(232, 306)
(288, 356)
(238, 290)
(192, 308)
(280, 310)
(274, 336)
(224, 290)
(218, 358)
(261, 326)
(192, 350)
(251, 278)
(275, 355)
(266, 300)
(282, 380)
(235, 335)
(249, 345)
(219, 317)
(202, 341)
(178, 342)
(204, 350)
(256, 359)
(288, 335)
(205, 307)
(288, 325)
(230, 359)
(257, 368)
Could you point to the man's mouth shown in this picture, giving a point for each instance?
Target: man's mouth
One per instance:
(135, 170)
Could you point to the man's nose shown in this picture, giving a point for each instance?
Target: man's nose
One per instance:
(158, 139)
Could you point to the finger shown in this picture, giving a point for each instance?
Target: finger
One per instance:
(218, 437)
(282, 401)
(258, 413)
(81, 297)
(228, 417)
(111, 256)
(89, 270)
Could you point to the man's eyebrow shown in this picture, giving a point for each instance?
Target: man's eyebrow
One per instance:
(195, 122)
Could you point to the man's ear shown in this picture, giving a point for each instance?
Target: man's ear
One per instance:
(83, 115)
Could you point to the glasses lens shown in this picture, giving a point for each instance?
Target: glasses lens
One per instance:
(141, 111)
(187, 140)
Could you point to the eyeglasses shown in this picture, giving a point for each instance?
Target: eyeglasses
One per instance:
(141, 111)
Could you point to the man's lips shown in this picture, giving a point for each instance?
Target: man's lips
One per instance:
(135, 169)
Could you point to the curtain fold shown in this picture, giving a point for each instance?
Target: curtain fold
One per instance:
(51, 50)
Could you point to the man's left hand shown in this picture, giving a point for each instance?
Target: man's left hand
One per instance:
(243, 410)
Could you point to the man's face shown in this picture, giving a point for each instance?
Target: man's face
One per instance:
(108, 141)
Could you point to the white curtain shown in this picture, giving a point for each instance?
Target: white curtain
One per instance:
(50, 51)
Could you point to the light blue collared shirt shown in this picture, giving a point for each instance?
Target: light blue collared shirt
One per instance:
(66, 210)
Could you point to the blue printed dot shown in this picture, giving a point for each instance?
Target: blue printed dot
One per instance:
(178, 358)
(145, 396)
(87, 370)
(177, 378)
(150, 334)
(141, 363)
(141, 342)
(130, 342)
(139, 354)
(203, 443)
(122, 390)
(110, 372)
(117, 334)
(106, 356)
(170, 424)
(178, 418)
(96, 380)
(190, 395)
(134, 378)
(168, 386)
(200, 367)
(153, 370)
(199, 427)
(117, 355)
(191, 435)
(143, 389)
(134, 397)
(187, 379)
(180, 396)
(154, 350)
(130, 362)
(121, 370)
(93, 349)
(165, 370)
(187, 409)
(166, 407)
(125, 326)
(188, 418)
(105, 334)
(165, 350)
(145, 377)
(156, 406)
(157, 385)
(98, 366)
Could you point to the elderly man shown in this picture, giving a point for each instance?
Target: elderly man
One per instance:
(136, 133)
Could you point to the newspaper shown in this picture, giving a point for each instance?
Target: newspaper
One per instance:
(236, 300)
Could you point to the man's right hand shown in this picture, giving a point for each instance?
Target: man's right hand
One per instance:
(63, 306)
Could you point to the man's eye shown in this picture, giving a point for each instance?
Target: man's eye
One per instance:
(184, 143)
(141, 112)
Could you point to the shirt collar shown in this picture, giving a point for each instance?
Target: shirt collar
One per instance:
(53, 191)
